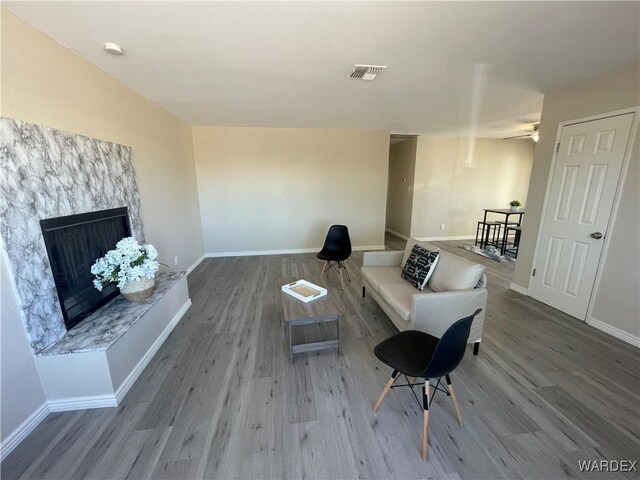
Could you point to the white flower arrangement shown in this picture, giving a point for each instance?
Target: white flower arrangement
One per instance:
(129, 261)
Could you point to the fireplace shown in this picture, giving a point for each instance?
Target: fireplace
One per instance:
(73, 243)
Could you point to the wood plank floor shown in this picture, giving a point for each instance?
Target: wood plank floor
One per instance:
(221, 400)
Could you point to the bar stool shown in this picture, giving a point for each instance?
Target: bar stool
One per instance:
(511, 242)
(501, 244)
(488, 229)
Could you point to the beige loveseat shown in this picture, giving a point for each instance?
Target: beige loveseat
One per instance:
(455, 290)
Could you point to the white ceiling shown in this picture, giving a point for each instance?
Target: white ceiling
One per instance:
(454, 67)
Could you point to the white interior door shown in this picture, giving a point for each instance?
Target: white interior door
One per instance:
(579, 203)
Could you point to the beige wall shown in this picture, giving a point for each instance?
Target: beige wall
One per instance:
(279, 189)
(20, 386)
(616, 302)
(44, 83)
(456, 179)
(402, 164)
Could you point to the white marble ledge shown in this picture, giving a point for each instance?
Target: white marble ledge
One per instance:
(105, 326)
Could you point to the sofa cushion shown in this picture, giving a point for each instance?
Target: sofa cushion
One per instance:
(377, 275)
(419, 266)
(399, 296)
(455, 273)
(409, 247)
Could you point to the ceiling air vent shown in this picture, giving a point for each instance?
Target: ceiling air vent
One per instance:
(365, 72)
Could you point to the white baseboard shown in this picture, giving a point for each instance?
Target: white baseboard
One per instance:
(367, 248)
(453, 237)
(104, 401)
(251, 253)
(153, 349)
(397, 234)
(195, 264)
(83, 403)
(520, 289)
(25, 428)
(614, 331)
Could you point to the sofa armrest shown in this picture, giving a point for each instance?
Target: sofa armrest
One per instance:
(434, 312)
(382, 259)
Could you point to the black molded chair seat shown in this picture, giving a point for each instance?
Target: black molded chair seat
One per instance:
(332, 255)
(409, 352)
(418, 354)
(336, 249)
(337, 244)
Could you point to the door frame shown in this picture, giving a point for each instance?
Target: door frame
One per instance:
(616, 198)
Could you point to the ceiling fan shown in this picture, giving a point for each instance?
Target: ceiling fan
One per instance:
(533, 135)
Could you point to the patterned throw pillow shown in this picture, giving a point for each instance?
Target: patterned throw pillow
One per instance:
(419, 266)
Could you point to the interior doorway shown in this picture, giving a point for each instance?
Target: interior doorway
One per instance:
(400, 181)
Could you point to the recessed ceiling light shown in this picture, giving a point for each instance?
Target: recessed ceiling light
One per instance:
(113, 48)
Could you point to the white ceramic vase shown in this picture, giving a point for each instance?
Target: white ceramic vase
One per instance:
(138, 290)
(515, 209)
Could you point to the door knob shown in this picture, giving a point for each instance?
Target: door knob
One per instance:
(596, 235)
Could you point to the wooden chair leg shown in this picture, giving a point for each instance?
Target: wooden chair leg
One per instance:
(454, 400)
(346, 271)
(425, 420)
(341, 279)
(324, 268)
(386, 389)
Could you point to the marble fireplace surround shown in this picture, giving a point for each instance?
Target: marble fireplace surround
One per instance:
(49, 173)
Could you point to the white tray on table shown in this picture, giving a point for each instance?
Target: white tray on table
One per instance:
(304, 291)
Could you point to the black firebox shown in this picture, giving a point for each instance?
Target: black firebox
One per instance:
(74, 243)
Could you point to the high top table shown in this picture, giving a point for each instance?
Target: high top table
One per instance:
(507, 212)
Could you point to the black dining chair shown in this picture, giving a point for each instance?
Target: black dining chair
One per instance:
(420, 355)
(336, 249)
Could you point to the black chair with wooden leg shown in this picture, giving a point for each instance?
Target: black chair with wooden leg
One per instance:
(336, 249)
(417, 354)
